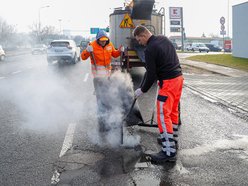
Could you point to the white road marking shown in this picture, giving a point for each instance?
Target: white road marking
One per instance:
(65, 147)
(55, 179)
(68, 139)
(2, 77)
(16, 72)
(86, 77)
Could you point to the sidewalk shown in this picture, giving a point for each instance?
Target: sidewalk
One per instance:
(215, 68)
(230, 89)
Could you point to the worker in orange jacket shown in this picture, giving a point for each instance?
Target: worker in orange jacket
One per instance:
(101, 52)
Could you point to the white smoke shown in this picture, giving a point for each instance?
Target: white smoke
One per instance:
(42, 101)
(120, 95)
(48, 101)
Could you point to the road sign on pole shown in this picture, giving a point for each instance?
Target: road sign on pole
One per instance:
(94, 30)
(222, 20)
(222, 27)
(223, 32)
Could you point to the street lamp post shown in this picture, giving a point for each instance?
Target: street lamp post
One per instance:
(60, 26)
(39, 20)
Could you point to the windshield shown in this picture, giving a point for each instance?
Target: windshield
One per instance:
(60, 44)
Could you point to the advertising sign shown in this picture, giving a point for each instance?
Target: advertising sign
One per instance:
(227, 44)
(175, 22)
(175, 12)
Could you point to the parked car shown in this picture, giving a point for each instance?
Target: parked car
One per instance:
(201, 47)
(227, 50)
(39, 49)
(188, 47)
(63, 51)
(175, 45)
(213, 47)
(2, 53)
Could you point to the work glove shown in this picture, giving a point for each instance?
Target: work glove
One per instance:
(138, 93)
(121, 48)
(89, 48)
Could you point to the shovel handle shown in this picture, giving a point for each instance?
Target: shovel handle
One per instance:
(94, 59)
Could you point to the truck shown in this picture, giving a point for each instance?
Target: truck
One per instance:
(123, 20)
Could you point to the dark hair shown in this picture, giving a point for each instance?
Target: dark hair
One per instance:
(139, 30)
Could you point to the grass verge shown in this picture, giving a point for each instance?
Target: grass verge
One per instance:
(223, 59)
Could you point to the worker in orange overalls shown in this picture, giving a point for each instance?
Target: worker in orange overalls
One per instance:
(162, 64)
(101, 52)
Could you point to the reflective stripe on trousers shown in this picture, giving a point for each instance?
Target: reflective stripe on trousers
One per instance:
(167, 112)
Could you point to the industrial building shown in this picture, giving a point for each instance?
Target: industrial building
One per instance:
(240, 30)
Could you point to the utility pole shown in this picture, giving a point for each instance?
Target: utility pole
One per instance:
(182, 29)
(60, 26)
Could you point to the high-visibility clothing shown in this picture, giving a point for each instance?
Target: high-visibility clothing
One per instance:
(167, 112)
(103, 56)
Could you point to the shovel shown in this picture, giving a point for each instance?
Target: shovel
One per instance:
(136, 113)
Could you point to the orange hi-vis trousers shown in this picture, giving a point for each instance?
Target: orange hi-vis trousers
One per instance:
(167, 111)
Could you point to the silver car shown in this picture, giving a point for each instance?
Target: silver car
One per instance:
(2, 53)
(201, 47)
(39, 49)
(63, 51)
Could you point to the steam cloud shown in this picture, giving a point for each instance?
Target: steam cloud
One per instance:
(44, 102)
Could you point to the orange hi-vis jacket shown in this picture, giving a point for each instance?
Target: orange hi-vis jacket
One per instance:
(103, 57)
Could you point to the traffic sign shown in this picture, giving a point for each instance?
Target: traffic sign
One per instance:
(222, 20)
(94, 30)
(222, 27)
(223, 32)
(127, 22)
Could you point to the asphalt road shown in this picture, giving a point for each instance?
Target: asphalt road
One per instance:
(49, 131)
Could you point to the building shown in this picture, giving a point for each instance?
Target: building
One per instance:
(240, 30)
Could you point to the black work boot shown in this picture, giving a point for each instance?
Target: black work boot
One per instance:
(159, 140)
(161, 157)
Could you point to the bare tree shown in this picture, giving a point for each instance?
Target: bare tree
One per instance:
(7, 33)
(45, 34)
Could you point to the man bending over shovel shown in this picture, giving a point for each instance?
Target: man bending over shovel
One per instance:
(162, 64)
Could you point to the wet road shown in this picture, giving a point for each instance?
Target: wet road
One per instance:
(48, 130)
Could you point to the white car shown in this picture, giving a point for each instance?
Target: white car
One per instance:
(63, 51)
(2, 53)
(201, 47)
(39, 49)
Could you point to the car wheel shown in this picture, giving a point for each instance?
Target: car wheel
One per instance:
(74, 60)
(2, 58)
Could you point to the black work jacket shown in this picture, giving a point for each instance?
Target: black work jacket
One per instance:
(161, 61)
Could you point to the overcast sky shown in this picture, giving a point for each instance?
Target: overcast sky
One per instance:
(200, 16)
